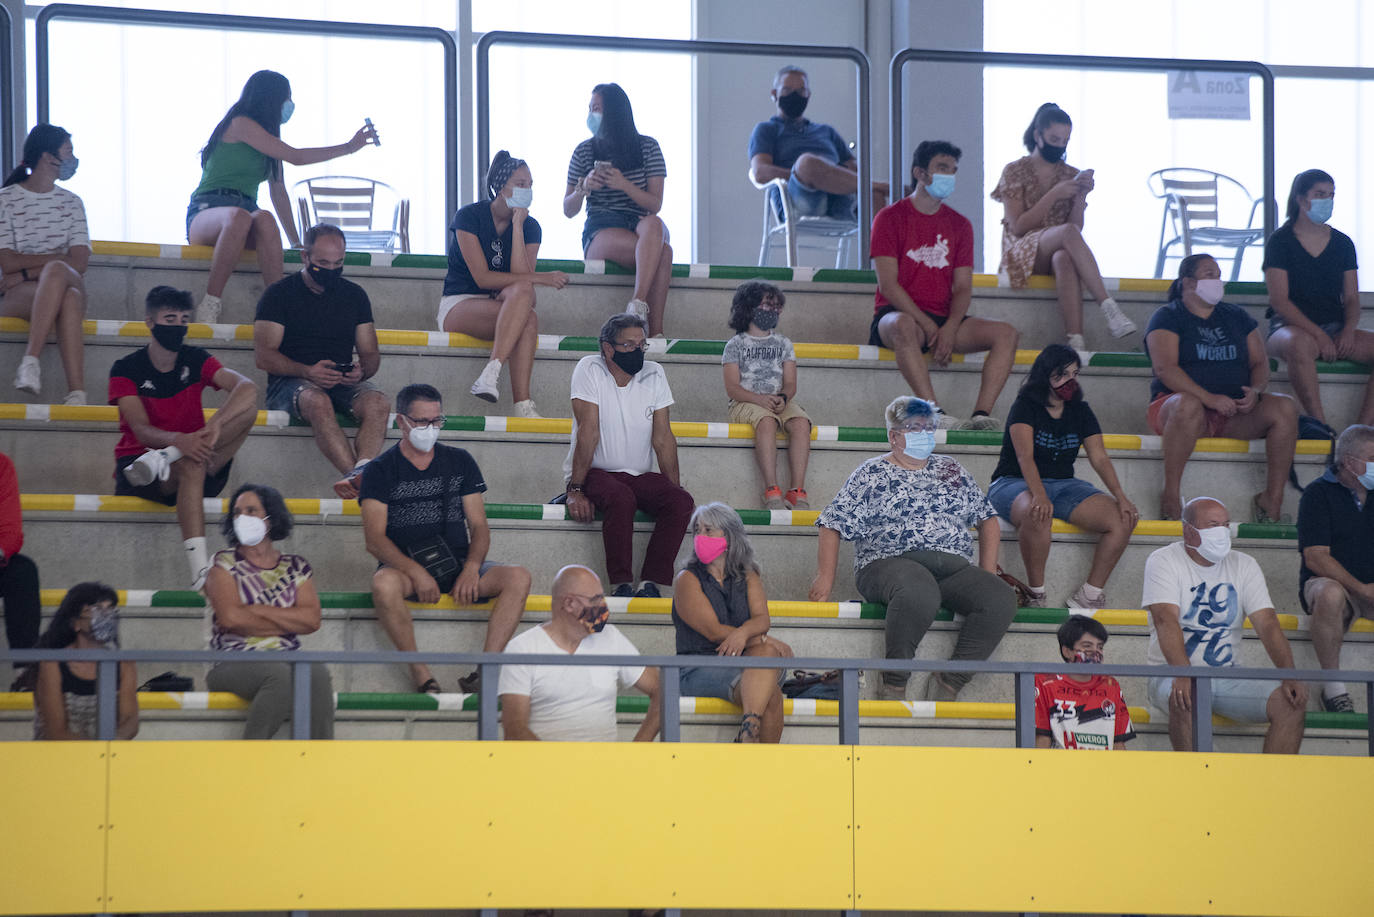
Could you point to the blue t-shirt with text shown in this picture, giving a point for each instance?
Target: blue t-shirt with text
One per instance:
(1212, 351)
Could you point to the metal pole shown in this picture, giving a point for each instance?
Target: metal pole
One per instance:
(1369, 715)
(488, 717)
(1025, 710)
(864, 179)
(671, 698)
(894, 140)
(106, 699)
(7, 91)
(1202, 714)
(849, 706)
(300, 700)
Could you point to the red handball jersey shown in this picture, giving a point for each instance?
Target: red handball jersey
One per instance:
(172, 399)
(928, 247)
(1084, 715)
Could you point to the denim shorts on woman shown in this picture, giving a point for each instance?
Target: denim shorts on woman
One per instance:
(220, 197)
(1065, 494)
(712, 682)
(607, 219)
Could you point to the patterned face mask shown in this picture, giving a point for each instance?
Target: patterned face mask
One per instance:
(105, 625)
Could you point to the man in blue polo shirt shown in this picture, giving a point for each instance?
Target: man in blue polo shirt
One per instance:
(1336, 538)
(813, 158)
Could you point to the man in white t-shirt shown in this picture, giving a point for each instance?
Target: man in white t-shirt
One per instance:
(573, 703)
(620, 425)
(1199, 593)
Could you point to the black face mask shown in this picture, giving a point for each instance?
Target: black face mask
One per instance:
(169, 336)
(631, 362)
(1053, 153)
(325, 277)
(793, 104)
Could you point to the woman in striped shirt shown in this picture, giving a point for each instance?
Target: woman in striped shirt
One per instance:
(619, 172)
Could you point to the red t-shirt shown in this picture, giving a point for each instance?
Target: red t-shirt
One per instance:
(927, 247)
(172, 399)
(1086, 715)
(11, 517)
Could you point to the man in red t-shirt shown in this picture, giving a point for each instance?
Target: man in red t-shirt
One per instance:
(923, 253)
(168, 451)
(1081, 711)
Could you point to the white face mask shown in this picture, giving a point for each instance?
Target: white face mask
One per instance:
(1210, 290)
(423, 438)
(1216, 543)
(249, 530)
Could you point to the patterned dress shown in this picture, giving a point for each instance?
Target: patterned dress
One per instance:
(1020, 184)
(276, 586)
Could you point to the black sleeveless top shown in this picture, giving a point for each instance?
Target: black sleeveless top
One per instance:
(729, 600)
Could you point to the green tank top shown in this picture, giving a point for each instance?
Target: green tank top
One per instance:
(234, 165)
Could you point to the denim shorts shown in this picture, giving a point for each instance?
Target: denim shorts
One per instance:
(284, 394)
(1064, 493)
(607, 219)
(1331, 328)
(809, 202)
(220, 197)
(1244, 700)
(712, 682)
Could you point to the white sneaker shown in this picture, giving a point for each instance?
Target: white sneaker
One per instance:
(27, 378)
(981, 422)
(198, 583)
(526, 409)
(947, 422)
(1117, 322)
(149, 467)
(485, 386)
(209, 309)
(1077, 343)
(1080, 603)
(638, 307)
(76, 397)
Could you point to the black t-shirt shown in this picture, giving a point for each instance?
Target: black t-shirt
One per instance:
(476, 219)
(1328, 515)
(415, 499)
(1057, 440)
(318, 326)
(1213, 352)
(1315, 285)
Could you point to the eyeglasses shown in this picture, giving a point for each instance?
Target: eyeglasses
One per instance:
(923, 428)
(629, 346)
(421, 423)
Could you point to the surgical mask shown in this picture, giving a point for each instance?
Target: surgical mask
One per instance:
(593, 121)
(325, 277)
(169, 336)
(919, 445)
(105, 626)
(594, 618)
(631, 362)
(520, 197)
(1320, 211)
(1210, 290)
(1067, 390)
(709, 547)
(1367, 479)
(423, 438)
(67, 168)
(766, 319)
(287, 108)
(1215, 544)
(1092, 657)
(941, 186)
(793, 104)
(249, 530)
(1053, 153)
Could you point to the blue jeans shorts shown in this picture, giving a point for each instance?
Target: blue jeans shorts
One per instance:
(809, 202)
(1064, 493)
(220, 197)
(1331, 328)
(713, 682)
(284, 394)
(607, 219)
(1243, 700)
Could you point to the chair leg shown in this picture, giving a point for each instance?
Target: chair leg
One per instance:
(1235, 262)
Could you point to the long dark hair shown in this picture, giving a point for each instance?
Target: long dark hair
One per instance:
(261, 100)
(44, 138)
(1187, 269)
(748, 295)
(1049, 361)
(617, 139)
(1302, 183)
(1045, 115)
(273, 506)
(61, 630)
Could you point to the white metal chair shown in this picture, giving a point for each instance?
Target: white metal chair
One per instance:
(793, 232)
(1192, 212)
(351, 203)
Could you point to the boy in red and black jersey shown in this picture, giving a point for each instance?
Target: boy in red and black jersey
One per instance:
(169, 452)
(1081, 711)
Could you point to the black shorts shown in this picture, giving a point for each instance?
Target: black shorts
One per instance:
(875, 341)
(214, 483)
(446, 584)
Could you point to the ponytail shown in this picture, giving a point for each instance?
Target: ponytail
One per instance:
(1187, 268)
(1045, 115)
(44, 138)
(20, 173)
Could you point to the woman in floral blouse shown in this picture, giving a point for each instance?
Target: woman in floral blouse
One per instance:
(909, 513)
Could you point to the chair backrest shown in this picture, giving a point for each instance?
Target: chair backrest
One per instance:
(343, 201)
(1193, 196)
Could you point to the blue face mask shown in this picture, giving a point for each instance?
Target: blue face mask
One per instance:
(941, 186)
(919, 445)
(1367, 479)
(1321, 209)
(67, 169)
(520, 197)
(287, 108)
(593, 121)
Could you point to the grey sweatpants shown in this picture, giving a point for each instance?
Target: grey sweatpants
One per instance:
(267, 688)
(914, 585)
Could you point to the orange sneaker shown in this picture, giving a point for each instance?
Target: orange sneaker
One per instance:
(797, 497)
(772, 498)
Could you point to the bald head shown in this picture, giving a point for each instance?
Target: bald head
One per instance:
(1204, 512)
(575, 579)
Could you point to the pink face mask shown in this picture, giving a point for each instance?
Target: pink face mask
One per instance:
(709, 547)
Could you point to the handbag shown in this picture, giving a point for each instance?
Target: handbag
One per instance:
(1023, 592)
(433, 553)
(818, 685)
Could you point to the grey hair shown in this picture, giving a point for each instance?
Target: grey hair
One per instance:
(1351, 439)
(618, 323)
(739, 553)
(782, 75)
(904, 407)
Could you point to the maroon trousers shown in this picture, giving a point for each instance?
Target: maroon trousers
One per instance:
(617, 494)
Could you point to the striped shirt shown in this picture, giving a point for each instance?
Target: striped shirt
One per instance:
(609, 199)
(41, 224)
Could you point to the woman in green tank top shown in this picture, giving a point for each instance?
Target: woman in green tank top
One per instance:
(245, 149)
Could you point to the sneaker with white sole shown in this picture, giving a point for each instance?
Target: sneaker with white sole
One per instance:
(1117, 322)
(526, 409)
(485, 386)
(944, 421)
(1341, 703)
(1076, 342)
(638, 307)
(1080, 602)
(981, 422)
(27, 378)
(1037, 600)
(208, 310)
(75, 398)
(149, 467)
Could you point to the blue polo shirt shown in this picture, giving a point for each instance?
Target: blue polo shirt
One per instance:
(1330, 516)
(786, 140)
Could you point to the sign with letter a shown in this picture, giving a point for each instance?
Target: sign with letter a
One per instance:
(1202, 94)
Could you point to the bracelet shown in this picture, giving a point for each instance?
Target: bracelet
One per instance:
(575, 489)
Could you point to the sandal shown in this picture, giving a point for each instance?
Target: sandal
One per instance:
(431, 686)
(470, 683)
(1259, 516)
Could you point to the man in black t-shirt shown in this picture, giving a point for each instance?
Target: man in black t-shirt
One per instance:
(307, 327)
(1336, 538)
(425, 521)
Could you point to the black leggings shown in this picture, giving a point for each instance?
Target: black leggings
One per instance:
(19, 591)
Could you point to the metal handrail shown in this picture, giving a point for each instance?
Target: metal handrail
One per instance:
(489, 666)
(7, 92)
(1087, 62)
(683, 46)
(223, 22)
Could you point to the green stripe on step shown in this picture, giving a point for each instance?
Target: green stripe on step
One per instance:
(832, 275)
(1120, 360)
(588, 344)
(735, 272)
(1246, 288)
(1266, 530)
(432, 262)
(534, 511)
(862, 435)
(1337, 720)
(869, 611)
(558, 264)
(972, 437)
(704, 348)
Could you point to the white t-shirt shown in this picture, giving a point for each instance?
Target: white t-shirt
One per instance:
(1213, 602)
(41, 224)
(627, 414)
(570, 703)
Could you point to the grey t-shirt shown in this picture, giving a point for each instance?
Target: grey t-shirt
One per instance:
(760, 361)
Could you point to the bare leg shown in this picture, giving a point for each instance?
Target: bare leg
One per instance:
(766, 451)
(70, 333)
(1069, 238)
(1034, 537)
(1298, 351)
(266, 238)
(1275, 419)
(1330, 618)
(1069, 290)
(760, 695)
(798, 450)
(226, 228)
(509, 322)
(815, 172)
(234, 429)
(510, 586)
(522, 358)
(389, 589)
(318, 411)
(900, 333)
(644, 251)
(651, 235)
(999, 340)
(371, 410)
(1364, 353)
(190, 488)
(658, 290)
(1100, 513)
(1183, 419)
(1286, 725)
